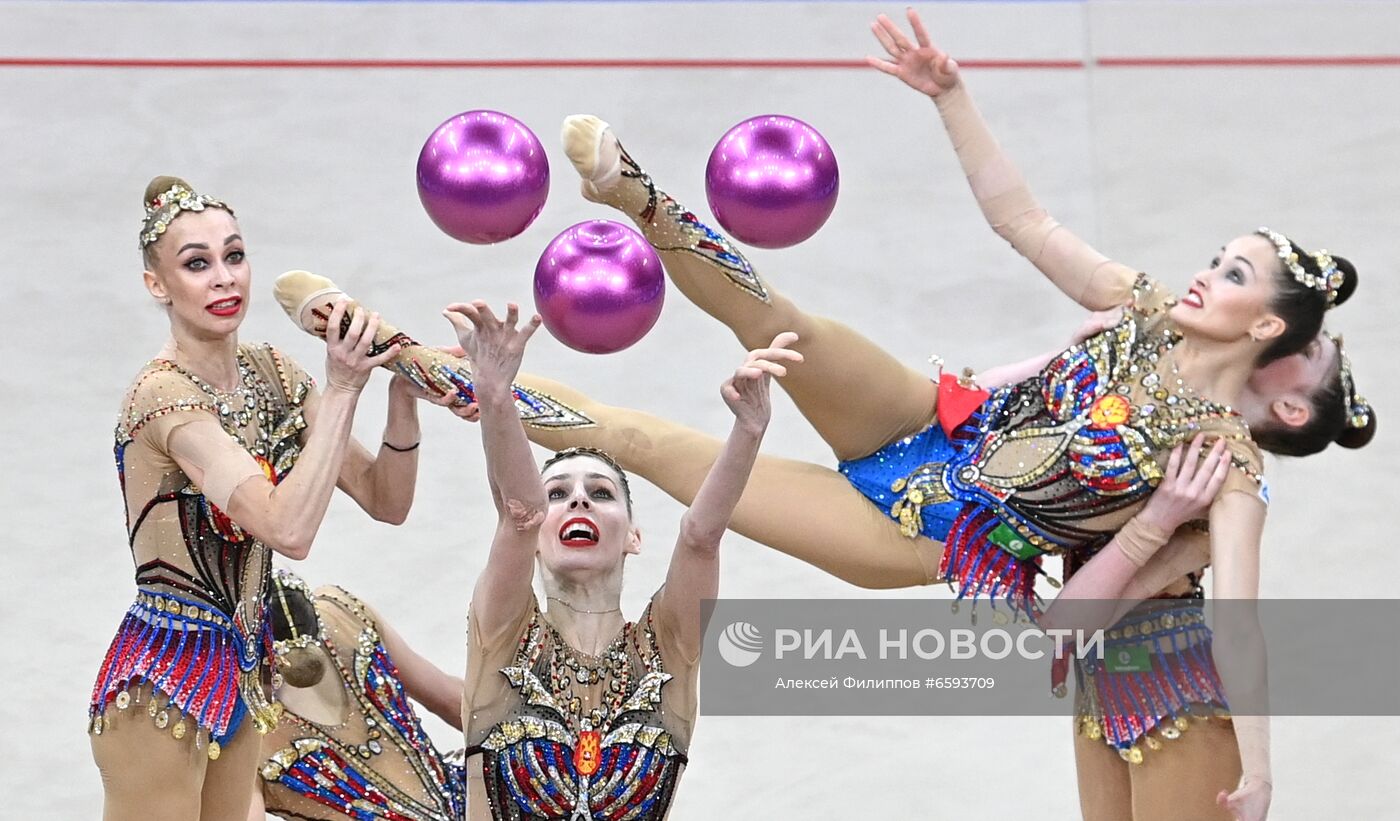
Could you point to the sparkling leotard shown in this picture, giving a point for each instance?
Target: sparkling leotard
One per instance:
(196, 632)
(564, 735)
(1057, 462)
(377, 763)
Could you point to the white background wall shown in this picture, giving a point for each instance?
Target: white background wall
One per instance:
(1159, 165)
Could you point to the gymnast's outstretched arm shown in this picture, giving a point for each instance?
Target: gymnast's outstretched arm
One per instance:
(1082, 273)
(495, 348)
(1236, 524)
(694, 572)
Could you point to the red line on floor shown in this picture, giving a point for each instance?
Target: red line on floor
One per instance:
(1249, 62)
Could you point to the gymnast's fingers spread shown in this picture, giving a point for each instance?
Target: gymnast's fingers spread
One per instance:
(460, 313)
(773, 354)
(920, 33)
(879, 27)
(487, 316)
(747, 372)
(885, 66)
(530, 328)
(767, 367)
(900, 40)
(784, 340)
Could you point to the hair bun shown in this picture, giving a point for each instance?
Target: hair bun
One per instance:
(1349, 280)
(1358, 437)
(159, 186)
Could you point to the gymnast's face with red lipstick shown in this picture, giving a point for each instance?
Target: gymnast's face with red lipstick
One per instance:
(588, 529)
(199, 270)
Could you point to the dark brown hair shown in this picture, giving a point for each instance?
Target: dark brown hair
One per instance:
(300, 666)
(1330, 421)
(1301, 306)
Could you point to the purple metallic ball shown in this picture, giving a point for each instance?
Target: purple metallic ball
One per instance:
(599, 287)
(772, 181)
(483, 177)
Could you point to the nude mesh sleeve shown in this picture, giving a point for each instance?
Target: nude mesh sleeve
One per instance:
(1082, 273)
(223, 463)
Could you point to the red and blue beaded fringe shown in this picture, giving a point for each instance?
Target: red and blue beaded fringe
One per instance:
(980, 567)
(1134, 703)
(195, 663)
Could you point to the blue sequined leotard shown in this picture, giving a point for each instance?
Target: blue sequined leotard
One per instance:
(1057, 462)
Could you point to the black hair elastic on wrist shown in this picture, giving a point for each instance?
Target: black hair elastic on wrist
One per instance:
(397, 449)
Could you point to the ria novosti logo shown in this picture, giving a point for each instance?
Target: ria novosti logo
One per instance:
(740, 644)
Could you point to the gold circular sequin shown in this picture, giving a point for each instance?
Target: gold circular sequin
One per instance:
(123, 700)
(214, 750)
(162, 719)
(179, 729)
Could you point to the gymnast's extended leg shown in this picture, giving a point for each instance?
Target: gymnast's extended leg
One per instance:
(857, 396)
(807, 511)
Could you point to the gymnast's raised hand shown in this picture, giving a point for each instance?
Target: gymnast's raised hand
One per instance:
(922, 66)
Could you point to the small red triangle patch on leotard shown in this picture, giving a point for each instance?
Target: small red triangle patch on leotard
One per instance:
(958, 397)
